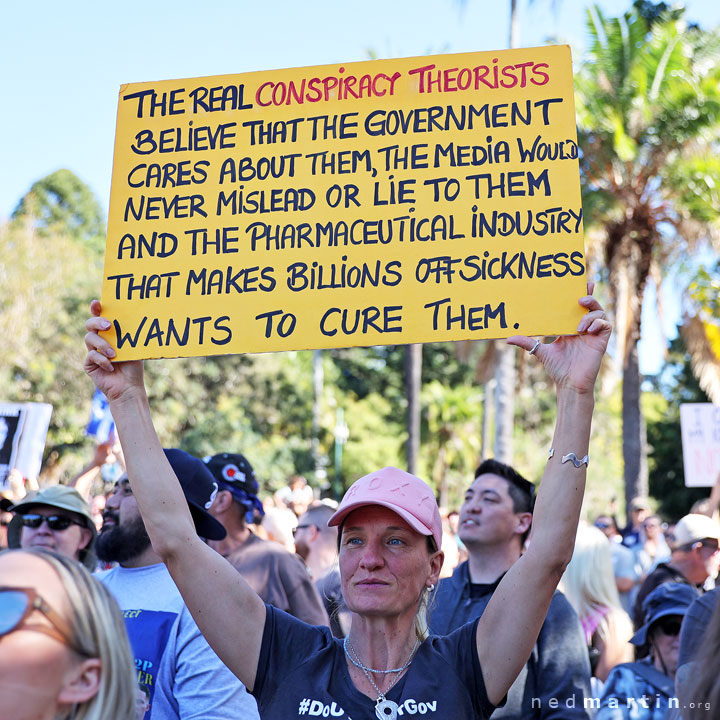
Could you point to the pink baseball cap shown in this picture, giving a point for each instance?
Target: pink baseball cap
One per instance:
(403, 493)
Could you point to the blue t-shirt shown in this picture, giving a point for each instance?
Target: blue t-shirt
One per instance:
(302, 673)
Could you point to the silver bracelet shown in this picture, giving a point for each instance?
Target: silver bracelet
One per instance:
(572, 457)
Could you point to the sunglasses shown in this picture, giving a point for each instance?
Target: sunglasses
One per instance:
(669, 627)
(17, 604)
(54, 522)
(301, 527)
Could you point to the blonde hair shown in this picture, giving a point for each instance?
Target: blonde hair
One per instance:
(589, 584)
(98, 631)
(422, 629)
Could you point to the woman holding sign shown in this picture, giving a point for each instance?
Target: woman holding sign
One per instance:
(389, 539)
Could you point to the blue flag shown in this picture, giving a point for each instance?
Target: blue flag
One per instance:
(101, 425)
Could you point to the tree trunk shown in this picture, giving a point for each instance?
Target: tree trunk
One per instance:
(634, 433)
(629, 252)
(505, 363)
(505, 404)
(318, 382)
(486, 440)
(440, 476)
(413, 382)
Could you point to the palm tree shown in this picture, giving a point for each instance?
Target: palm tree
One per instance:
(500, 388)
(648, 105)
(413, 386)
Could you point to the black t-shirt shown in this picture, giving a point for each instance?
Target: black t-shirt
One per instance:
(302, 673)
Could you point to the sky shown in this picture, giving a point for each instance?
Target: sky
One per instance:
(62, 64)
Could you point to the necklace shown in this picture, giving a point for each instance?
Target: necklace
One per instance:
(355, 660)
(384, 709)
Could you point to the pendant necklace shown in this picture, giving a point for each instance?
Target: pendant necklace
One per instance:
(384, 709)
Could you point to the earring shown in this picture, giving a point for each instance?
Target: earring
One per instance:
(430, 587)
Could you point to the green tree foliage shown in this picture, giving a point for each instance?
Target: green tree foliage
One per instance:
(62, 204)
(46, 283)
(649, 120)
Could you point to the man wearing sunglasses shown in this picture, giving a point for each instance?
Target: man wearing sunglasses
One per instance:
(694, 559)
(494, 523)
(56, 518)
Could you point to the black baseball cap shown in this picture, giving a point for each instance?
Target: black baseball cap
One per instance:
(199, 488)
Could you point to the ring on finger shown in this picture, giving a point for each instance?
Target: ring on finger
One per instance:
(535, 347)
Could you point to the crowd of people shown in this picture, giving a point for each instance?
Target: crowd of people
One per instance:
(184, 592)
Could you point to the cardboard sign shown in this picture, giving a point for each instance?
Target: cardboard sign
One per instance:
(395, 201)
(700, 428)
(23, 429)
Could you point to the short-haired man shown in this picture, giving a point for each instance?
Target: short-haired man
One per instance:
(495, 520)
(279, 577)
(184, 677)
(56, 518)
(695, 558)
(316, 544)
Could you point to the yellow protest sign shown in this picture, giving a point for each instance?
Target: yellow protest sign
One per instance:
(395, 201)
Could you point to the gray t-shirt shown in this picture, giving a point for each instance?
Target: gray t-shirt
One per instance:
(177, 670)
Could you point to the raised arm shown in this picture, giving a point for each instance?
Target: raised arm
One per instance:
(510, 625)
(84, 480)
(226, 609)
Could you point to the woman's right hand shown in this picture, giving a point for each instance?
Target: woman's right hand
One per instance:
(115, 380)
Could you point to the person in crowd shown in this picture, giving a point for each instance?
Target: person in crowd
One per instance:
(589, 583)
(278, 525)
(181, 674)
(97, 508)
(695, 628)
(655, 548)
(18, 485)
(697, 682)
(450, 549)
(316, 544)
(494, 523)
(634, 534)
(625, 567)
(709, 505)
(389, 559)
(107, 462)
(297, 495)
(277, 576)
(58, 519)
(694, 558)
(64, 653)
(453, 521)
(6, 502)
(645, 690)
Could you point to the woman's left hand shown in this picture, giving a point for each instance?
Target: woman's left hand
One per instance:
(573, 361)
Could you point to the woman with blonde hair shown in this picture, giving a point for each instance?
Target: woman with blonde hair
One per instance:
(64, 652)
(589, 585)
